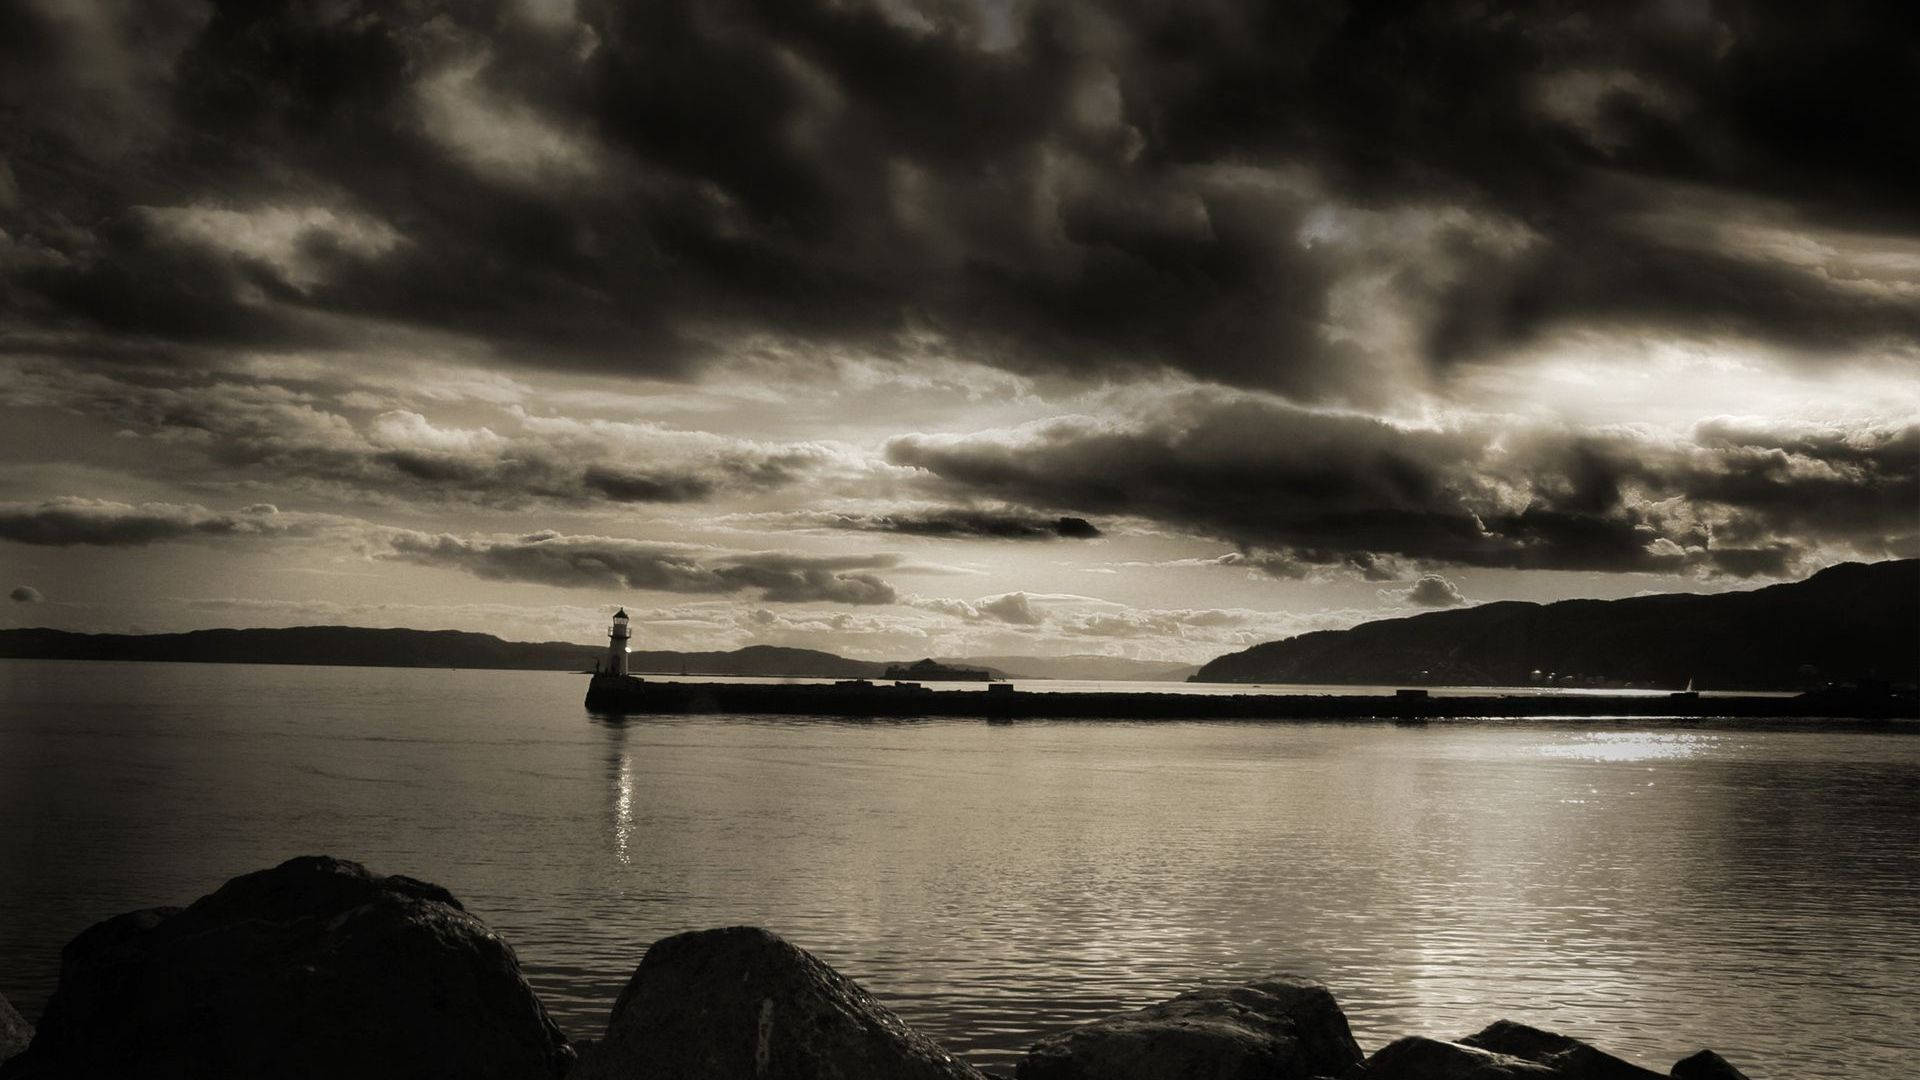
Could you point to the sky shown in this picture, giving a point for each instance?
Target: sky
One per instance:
(956, 327)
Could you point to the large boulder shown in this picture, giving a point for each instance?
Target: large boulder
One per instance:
(740, 1003)
(1282, 1028)
(1567, 1057)
(1503, 1050)
(1561, 1054)
(315, 968)
(1706, 1065)
(1416, 1058)
(15, 1032)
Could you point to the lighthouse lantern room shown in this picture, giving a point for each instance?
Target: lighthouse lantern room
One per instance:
(617, 644)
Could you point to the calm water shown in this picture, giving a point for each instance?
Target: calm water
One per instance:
(1657, 889)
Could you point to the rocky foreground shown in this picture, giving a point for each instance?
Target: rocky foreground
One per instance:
(317, 968)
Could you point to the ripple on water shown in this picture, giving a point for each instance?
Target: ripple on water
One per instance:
(1653, 889)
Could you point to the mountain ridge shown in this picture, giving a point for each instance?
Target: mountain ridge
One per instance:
(1847, 622)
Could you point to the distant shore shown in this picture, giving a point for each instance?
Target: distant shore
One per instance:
(363, 646)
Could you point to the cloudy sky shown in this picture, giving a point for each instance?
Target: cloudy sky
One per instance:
(898, 327)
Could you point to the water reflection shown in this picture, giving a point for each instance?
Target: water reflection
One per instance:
(1630, 746)
(1655, 888)
(993, 884)
(620, 769)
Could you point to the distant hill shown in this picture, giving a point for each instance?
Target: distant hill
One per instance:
(1085, 666)
(768, 660)
(1847, 621)
(343, 645)
(371, 647)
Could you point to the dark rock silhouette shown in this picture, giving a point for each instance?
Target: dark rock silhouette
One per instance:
(1505, 1050)
(1418, 1058)
(1282, 1028)
(315, 968)
(1706, 1065)
(1849, 621)
(15, 1032)
(1567, 1057)
(741, 1002)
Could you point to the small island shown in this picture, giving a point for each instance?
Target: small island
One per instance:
(931, 670)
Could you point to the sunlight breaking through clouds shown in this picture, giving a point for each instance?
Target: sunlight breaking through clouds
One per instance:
(1271, 321)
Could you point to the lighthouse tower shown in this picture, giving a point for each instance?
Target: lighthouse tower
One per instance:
(617, 644)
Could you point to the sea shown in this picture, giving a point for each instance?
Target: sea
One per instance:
(1652, 886)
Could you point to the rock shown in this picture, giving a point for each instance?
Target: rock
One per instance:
(15, 1032)
(739, 1003)
(1283, 1028)
(1706, 1065)
(1415, 1058)
(1567, 1057)
(315, 968)
(1503, 1050)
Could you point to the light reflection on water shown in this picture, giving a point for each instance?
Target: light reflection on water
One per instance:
(623, 809)
(1630, 746)
(1652, 888)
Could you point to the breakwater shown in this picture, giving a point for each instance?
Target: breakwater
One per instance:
(630, 695)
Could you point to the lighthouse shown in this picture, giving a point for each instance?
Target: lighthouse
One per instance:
(617, 644)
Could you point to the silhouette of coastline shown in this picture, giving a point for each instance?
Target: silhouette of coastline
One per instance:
(1845, 624)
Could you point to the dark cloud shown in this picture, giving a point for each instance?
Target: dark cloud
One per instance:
(25, 594)
(1252, 471)
(67, 522)
(1309, 212)
(1075, 528)
(966, 524)
(548, 558)
(597, 562)
(1237, 190)
(1299, 489)
(1274, 564)
(1303, 562)
(297, 432)
(622, 485)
